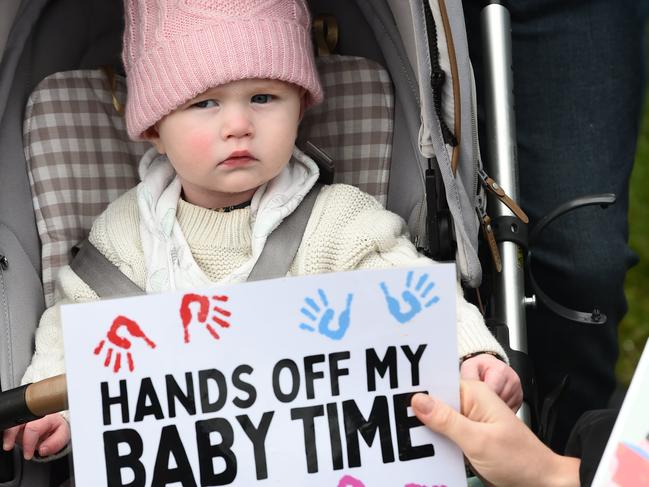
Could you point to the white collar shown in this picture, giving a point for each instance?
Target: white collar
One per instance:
(168, 259)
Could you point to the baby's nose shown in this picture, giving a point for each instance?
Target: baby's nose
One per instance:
(237, 124)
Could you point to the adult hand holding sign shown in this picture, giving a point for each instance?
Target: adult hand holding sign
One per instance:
(501, 449)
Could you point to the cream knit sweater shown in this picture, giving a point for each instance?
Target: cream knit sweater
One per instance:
(347, 230)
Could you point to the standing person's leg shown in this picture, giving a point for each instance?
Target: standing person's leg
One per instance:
(578, 88)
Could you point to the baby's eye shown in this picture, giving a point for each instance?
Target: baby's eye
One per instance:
(262, 98)
(205, 104)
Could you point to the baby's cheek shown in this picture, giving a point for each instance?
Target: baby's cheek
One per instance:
(199, 144)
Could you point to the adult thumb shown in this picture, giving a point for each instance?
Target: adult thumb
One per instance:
(442, 418)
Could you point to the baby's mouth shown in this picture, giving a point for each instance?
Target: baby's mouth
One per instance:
(238, 158)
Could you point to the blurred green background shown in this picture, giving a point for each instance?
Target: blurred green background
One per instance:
(634, 329)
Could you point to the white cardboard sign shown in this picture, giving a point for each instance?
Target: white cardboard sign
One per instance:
(292, 382)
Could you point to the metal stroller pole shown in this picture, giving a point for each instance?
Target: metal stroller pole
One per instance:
(509, 294)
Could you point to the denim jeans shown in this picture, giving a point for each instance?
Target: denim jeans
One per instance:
(578, 79)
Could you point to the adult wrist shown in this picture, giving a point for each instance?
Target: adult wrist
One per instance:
(563, 472)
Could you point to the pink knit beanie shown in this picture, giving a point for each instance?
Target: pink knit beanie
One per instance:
(177, 49)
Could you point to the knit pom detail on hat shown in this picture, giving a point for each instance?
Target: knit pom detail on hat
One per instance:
(176, 49)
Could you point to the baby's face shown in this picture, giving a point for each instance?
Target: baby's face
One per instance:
(230, 140)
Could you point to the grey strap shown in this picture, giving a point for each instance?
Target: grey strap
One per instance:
(283, 242)
(101, 274)
(276, 258)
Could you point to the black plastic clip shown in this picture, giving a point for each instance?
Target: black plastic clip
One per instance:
(595, 317)
(439, 223)
(510, 229)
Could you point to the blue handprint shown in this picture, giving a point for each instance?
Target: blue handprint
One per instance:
(413, 302)
(323, 315)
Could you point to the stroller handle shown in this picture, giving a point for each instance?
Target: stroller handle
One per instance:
(32, 401)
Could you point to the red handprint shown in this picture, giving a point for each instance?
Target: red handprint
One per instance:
(134, 330)
(203, 312)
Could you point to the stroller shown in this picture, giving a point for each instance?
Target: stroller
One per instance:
(411, 141)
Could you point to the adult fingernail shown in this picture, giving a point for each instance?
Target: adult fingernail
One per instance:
(43, 451)
(422, 403)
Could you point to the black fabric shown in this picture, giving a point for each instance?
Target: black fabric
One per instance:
(7, 466)
(588, 440)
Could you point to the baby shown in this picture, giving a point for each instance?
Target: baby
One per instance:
(219, 88)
